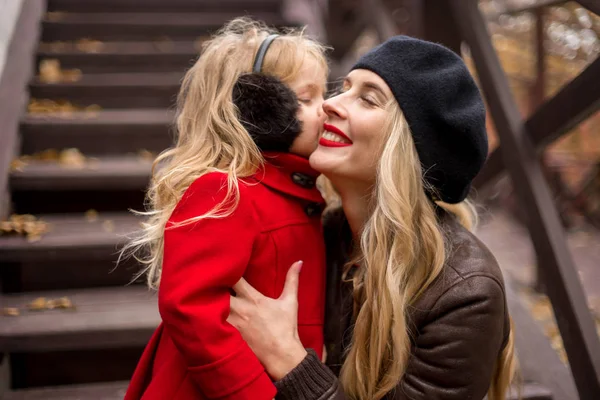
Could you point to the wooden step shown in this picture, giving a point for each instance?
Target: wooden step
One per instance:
(72, 237)
(531, 391)
(102, 318)
(98, 133)
(108, 183)
(162, 5)
(97, 391)
(163, 56)
(106, 173)
(114, 90)
(142, 26)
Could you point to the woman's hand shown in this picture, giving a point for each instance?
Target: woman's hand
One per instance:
(270, 326)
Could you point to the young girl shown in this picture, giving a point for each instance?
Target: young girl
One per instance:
(234, 198)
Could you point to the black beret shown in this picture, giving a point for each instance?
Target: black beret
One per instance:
(443, 107)
(267, 109)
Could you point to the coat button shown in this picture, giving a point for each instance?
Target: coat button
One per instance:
(312, 209)
(303, 180)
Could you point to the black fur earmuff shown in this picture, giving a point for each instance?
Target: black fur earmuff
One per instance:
(267, 109)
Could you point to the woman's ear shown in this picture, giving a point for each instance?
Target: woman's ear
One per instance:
(267, 109)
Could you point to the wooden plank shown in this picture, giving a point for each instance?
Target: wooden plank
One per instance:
(102, 318)
(161, 5)
(164, 56)
(98, 133)
(143, 26)
(13, 85)
(97, 391)
(114, 90)
(72, 237)
(105, 173)
(564, 288)
(575, 102)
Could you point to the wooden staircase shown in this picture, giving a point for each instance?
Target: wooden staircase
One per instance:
(88, 345)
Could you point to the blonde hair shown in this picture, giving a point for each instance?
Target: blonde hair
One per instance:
(209, 135)
(402, 251)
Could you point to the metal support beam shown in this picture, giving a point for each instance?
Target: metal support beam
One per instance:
(344, 23)
(564, 288)
(438, 27)
(574, 103)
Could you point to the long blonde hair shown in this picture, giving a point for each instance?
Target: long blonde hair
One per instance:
(402, 251)
(209, 136)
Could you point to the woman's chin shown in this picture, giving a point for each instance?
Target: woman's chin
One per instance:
(321, 161)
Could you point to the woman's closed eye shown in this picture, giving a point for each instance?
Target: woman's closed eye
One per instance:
(369, 101)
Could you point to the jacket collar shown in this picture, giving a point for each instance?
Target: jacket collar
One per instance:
(290, 174)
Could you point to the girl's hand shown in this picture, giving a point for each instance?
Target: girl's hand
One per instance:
(270, 326)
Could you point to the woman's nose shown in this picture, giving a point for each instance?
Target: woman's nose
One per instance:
(333, 108)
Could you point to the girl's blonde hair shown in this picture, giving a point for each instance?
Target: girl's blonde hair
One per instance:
(209, 136)
(402, 251)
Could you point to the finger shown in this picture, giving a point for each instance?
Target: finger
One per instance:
(290, 289)
(244, 289)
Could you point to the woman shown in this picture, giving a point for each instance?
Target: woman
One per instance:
(416, 304)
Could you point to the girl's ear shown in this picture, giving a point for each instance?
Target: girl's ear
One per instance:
(267, 109)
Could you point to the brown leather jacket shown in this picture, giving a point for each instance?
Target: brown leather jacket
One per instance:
(460, 324)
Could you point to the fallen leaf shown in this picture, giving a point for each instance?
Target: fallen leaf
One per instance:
(26, 224)
(41, 303)
(17, 165)
(63, 303)
(91, 215)
(542, 308)
(50, 70)
(10, 311)
(71, 75)
(71, 158)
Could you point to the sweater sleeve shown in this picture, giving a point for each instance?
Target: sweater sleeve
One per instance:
(310, 380)
(202, 261)
(453, 357)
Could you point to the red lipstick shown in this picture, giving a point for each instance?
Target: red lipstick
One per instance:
(335, 130)
(330, 143)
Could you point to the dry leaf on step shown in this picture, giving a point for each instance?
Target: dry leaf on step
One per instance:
(10, 311)
(71, 158)
(91, 215)
(41, 303)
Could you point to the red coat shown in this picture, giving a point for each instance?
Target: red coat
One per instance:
(195, 353)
